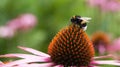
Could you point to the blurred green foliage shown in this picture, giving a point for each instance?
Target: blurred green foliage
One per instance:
(52, 15)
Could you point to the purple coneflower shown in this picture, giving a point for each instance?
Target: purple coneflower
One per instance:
(101, 42)
(71, 47)
(40, 59)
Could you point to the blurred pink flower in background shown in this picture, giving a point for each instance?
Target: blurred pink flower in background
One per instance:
(115, 48)
(6, 32)
(13, 24)
(40, 59)
(23, 22)
(105, 5)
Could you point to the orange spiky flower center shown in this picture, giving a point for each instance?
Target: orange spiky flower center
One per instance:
(71, 47)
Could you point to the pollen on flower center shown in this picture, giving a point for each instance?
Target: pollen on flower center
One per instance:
(71, 47)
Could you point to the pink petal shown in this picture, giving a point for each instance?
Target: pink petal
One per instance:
(23, 61)
(25, 56)
(94, 66)
(109, 62)
(101, 57)
(101, 49)
(1, 63)
(33, 51)
(37, 65)
(59, 66)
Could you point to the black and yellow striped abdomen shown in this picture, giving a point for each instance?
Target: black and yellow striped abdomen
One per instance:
(71, 47)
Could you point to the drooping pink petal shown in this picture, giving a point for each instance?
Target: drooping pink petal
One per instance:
(36, 65)
(33, 51)
(1, 63)
(25, 56)
(24, 61)
(103, 57)
(59, 66)
(94, 66)
(109, 62)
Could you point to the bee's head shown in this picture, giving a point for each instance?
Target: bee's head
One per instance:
(80, 21)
